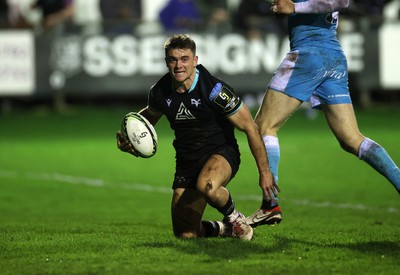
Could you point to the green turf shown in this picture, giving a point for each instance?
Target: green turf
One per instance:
(71, 203)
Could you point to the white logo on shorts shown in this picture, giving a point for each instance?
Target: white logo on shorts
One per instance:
(321, 73)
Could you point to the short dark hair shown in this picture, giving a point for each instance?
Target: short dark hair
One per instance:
(179, 41)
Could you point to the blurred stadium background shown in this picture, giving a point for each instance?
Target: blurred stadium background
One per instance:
(110, 51)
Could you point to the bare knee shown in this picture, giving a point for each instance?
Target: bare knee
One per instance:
(259, 121)
(212, 192)
(186, 235)
(208, 189)
(266, 128)
(263, 126)
(351, 146)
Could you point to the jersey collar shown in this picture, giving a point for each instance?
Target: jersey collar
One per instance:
(196, 79)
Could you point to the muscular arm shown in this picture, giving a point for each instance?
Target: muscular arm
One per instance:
(244, 122)
(310, 6)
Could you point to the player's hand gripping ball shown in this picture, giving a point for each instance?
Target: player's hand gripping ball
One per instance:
(140, 133)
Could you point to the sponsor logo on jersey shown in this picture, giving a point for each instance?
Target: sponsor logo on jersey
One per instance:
(215, 91)
(169, 101)
(184, 113)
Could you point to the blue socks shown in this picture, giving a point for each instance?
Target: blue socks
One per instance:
(376, 156)
(369, 151)
(273, 153)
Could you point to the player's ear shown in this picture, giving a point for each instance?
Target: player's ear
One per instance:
(196, 59)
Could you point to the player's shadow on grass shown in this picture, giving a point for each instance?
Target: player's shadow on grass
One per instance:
(233, 249)
(222, 248)
(385, 249)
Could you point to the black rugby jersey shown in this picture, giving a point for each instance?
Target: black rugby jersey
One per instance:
(198, 116)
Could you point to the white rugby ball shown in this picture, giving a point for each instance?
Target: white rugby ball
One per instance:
(140, 133)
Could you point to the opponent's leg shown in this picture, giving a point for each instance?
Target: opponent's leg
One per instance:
(211, 182)
(342, 121)
(273, 154)
(376, 156)
(273, 113)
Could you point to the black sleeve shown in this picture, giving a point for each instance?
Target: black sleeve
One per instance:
(151, 101)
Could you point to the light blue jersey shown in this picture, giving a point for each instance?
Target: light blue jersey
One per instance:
(313, 30)
(315, 69)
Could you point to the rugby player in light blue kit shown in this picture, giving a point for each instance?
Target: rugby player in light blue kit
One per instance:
(314, 70)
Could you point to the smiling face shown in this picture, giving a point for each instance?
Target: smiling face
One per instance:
(181, 65)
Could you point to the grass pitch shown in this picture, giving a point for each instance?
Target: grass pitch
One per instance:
(71, 203)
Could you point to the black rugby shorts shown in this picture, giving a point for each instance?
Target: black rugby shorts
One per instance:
(186, 177)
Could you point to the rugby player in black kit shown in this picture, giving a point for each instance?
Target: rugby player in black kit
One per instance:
(203, 111)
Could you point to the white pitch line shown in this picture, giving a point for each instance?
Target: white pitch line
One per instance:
(95, 182)
(65, 178)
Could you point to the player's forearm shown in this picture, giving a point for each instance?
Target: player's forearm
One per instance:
(150, 115)
(257, 148)
(320, 6)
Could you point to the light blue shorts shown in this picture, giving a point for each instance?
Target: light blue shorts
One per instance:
(316, 75)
